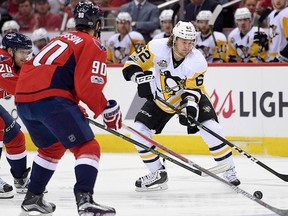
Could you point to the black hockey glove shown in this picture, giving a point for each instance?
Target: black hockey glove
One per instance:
(146, 85)
(261, 39)
(190, 110)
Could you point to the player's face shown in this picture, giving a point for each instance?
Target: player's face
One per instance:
(40, 43)
(279, 4)
(123, 27)
(203, 26)
(21, 56)
(244, 25)
(251, 5)
(183, 46)
(166, 26)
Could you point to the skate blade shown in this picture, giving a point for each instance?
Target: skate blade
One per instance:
(158, 187)
(217, 169)
(33, 213)
(8, 195)
(96, 214)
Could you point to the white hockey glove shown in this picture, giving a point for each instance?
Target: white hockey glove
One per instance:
(112, 115)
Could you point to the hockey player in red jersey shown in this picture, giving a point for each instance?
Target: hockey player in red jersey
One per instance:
(72, 67)
(16, 50)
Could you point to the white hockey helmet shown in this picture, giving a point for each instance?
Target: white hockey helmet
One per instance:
(10, 25)
(242, 13)
(184, 30)
(70, 23)
(123, 16)
(39, 34)
(204, 15)
(166, 15)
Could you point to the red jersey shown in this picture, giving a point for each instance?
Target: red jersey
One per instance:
(70, 66)
(8, 73)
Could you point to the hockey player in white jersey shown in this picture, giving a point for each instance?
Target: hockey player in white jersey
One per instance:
(213, 49)
(246, 43)
(278, 32)
(166, 24)
(178, 79)
(123, 43)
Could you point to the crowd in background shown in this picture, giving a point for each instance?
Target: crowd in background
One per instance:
(144, 21)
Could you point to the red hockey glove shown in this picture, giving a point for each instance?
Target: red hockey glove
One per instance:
(112, 115)
(83, 110)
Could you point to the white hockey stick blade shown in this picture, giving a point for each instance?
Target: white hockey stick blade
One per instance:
(217, 169)
(230, 3)
(215, 14)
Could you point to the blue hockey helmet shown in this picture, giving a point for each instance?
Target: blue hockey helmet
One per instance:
(16, 40)
(87, 14)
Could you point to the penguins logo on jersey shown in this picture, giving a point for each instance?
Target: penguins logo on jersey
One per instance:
(273, 31)
(242, 51)
(169, 84)
(119, 53)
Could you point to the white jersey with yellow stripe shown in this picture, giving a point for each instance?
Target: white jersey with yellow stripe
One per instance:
(242, 48)
(119, 50)
(278, 32)
(171, 81)
(207, 46)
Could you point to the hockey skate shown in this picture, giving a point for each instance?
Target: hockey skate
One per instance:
(230, 176)
(6, 190)
(35, 204)
(21, 184)
(87, 207)
(153, 182)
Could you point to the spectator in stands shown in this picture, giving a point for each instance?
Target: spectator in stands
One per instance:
(70, 26)
(4, 13)
(251, 5)
(166, 24)
(25, 16)
(278, 32)
(213, 45)
(125, 42)
(145, 17)
(195, 6)
(40, 39)
(246, 43)
(117, 3)
(9, 27)
(46, 19)
(69, 8)
(13, 7)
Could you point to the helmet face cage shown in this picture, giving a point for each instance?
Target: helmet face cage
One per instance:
(123, 16)
(87, 14)
(166, 15)
(15, 41)
(204, 15)
(184, 30)
(242, 13)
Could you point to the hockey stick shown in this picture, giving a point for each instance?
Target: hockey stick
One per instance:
(65, 17)
(211, 23)
(280, 212)
(200, 125)
(166, 157)
(216, 169)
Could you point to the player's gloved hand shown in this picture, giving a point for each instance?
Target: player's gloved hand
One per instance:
(4, 94)
(83, 110)
(190, 111)
(146, 85)
(112, 115)
(261, 38)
